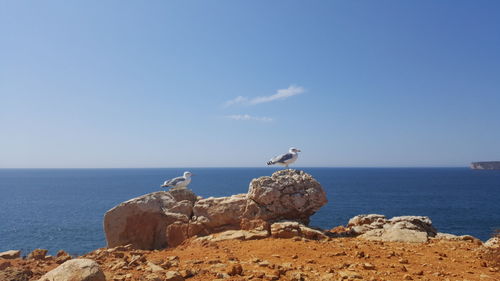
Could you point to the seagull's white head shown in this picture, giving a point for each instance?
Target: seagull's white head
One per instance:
(294, 150)
(187, 174)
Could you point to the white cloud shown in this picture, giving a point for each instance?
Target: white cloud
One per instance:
(281, 94)
(237, 100)
(246, 117)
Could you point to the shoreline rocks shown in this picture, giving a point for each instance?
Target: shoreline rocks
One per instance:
(11, 254)
(167, 218)
(262, 234)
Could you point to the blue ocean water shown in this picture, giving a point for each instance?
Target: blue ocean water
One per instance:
(63, 208)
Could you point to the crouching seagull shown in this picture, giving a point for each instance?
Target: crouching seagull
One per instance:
(179, 181)
(285, 159)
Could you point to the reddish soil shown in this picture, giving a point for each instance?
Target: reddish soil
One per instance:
(287, 259)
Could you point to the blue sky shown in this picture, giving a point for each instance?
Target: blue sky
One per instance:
(232, 83)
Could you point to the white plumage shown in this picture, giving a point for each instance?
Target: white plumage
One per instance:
(285, 159)
(179, 181)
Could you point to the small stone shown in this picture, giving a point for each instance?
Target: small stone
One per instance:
(222, 275)
(297, 276)
(63, 259)
(118, 265)
(264, 263)
(118, 255)
(328, 277)
(295, 257)
(407, 277)
(419, 273)
(166, 264)
(119, 278)
(345, 274)
(235, 269)
(173, 258)
(360, 254)
(61, 253)
(154, 267)
(186, 273)
(368, 266)
(173, 276)
(136, 260)
(403, 261)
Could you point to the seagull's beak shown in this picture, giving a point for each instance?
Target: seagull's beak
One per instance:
(193, 174)
(298, 150)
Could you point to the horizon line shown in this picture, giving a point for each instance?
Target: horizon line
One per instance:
(229, 167)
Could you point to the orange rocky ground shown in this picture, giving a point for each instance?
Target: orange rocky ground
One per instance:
(285, 259)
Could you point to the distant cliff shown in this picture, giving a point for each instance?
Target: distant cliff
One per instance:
(486, 165)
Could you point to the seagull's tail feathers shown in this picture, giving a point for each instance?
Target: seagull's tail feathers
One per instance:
(270, 163)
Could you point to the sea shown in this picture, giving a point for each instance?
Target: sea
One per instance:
(63, 208)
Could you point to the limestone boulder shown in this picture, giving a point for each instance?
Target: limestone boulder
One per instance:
(214, 213)
(143, 221)
(286, 195)
(75, 270)
(397, 229)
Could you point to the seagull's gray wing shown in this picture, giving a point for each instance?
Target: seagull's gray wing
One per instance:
(174, 181)
(282, 158)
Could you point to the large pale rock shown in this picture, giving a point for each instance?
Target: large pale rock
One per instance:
(214, 213)
(143, 221)
(75, 270)
(286, 195)
(397, 229)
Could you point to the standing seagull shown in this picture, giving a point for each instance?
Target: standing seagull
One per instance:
(285, 159)
(179, 181)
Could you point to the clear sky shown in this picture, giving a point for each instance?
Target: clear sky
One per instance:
(233, 83)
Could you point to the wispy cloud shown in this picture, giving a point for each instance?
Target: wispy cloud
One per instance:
(247, 117)
(237, 100)
(281, 94)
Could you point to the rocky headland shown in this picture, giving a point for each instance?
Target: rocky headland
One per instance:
(485, 165)
(261, 235)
